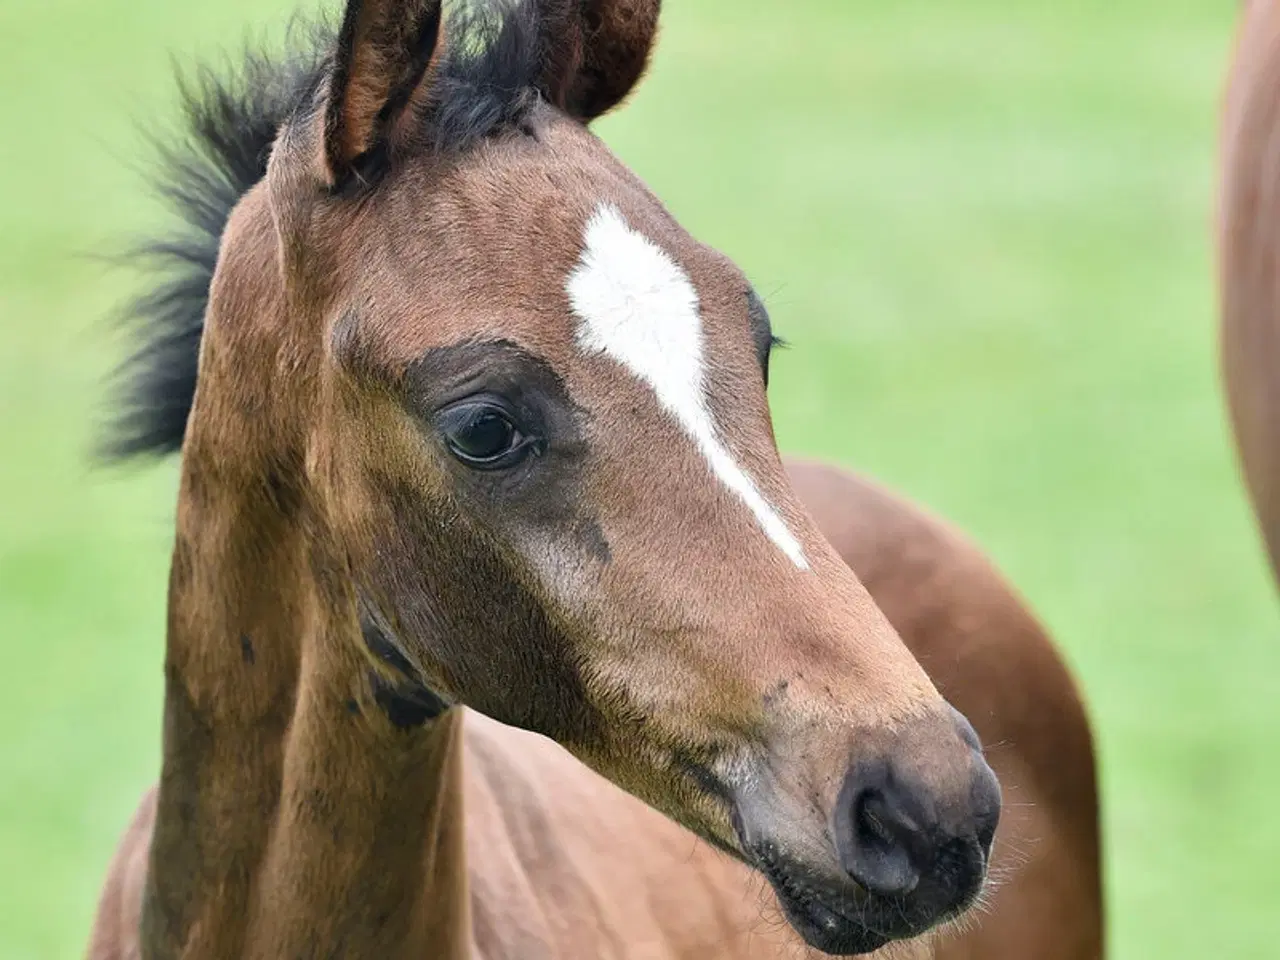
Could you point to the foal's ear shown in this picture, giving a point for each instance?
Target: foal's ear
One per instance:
(597, 52)
(385, 50)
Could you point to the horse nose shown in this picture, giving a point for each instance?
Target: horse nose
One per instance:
(886, 849)
(896, 837)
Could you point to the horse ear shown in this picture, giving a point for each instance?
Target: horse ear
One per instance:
(385, 50)
(597, 52)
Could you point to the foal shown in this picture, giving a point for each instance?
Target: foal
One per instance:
(478, 424)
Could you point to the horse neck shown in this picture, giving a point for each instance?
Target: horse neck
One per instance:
(293, 818)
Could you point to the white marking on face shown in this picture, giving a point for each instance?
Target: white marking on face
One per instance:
(636, 305)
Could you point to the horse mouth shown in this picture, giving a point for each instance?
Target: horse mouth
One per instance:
(833, 923)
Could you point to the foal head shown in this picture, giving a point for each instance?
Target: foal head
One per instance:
(524, 413)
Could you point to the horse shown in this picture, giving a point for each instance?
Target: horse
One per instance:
(497, 626)
(1248, 248)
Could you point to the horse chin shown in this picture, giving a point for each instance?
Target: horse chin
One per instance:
(833, 915)
(831, 933)
(826, 923)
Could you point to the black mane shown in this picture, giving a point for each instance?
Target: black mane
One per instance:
(484, 84)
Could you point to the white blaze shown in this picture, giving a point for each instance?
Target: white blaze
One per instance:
(636, 305)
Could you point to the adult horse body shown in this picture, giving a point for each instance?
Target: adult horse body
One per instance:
(476, 423)
(1249, 259)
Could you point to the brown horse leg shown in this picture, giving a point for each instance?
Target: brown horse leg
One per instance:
(995, 664)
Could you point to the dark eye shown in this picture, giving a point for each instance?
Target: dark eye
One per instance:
(484, 435)
(775, 343)
(762, 333)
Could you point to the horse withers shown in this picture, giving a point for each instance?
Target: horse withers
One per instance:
(467, 419)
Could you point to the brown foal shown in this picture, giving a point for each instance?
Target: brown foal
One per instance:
(477, 424)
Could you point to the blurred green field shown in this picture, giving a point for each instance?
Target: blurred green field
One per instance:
(985, 229)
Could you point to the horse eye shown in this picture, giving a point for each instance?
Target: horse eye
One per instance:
(482, 435)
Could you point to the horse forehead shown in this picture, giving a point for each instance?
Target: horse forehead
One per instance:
(534, 194)
(487, 246)
(635, 305)
(499, 258)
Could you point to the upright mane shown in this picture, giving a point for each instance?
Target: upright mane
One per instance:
(230, 120)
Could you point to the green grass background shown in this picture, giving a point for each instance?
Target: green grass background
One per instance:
(985, 228)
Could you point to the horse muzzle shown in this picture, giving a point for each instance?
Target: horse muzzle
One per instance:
(906, 848)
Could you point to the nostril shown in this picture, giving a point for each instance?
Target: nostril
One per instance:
(880, 853)
(878, 826)
(987, 836)
(870, 824)
(987, 801)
